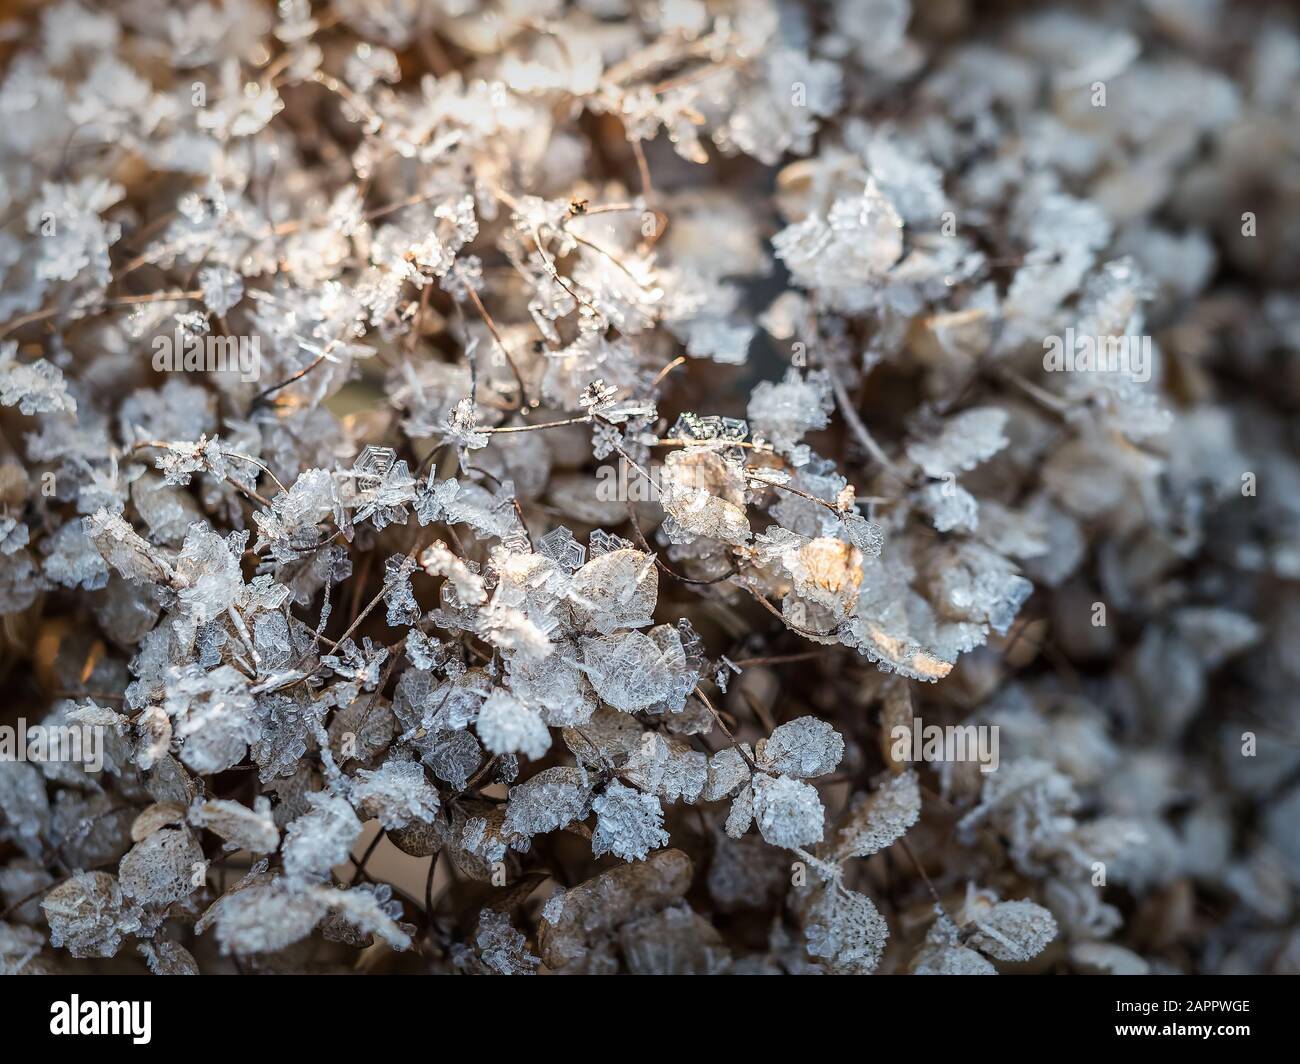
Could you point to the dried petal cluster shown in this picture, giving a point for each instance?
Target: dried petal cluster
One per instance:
(504, 487)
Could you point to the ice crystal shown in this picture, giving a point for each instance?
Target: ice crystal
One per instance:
(321, 838)
(161, 869)
(1014, 931)
(507, 726)
(880, 819)
(552, 799)
(35, 387)
(802, 748)
(789, 812)
(616, 589)
(626, 670)
(503, 949)
(262, 917)
(786, 412)
(628, 823)
(88, 915)
(846, 929)
(243, 828)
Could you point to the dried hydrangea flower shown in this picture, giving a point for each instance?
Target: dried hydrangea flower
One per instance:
(678, 452)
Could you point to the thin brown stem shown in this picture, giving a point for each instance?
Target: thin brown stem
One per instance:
(725, 729)
(581, 419)
(501, 344)
(678, 361)
(856, 425)
(118, 301)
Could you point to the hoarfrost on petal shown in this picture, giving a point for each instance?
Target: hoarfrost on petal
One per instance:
(789, 812)
(628, 823)
(803, 748)
(507, 726)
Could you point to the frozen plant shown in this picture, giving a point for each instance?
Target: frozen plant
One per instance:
(657, 407)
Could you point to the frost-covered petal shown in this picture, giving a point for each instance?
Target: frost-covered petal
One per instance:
(789, 812)
(628, 823)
